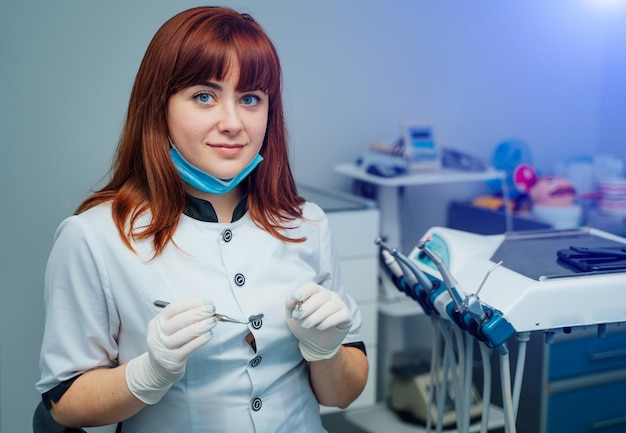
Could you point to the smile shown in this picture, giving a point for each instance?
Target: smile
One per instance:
(228, 150)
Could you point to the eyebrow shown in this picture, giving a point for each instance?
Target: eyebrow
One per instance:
(212, 85)
(217, 86)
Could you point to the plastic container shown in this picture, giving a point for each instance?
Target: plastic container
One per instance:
(559, 217)
(613, 187)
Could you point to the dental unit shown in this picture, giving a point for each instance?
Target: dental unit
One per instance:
(487, 290)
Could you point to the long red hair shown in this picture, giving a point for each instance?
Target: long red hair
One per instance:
(191, 47)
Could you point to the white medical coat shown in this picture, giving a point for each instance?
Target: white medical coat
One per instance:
(99, 297)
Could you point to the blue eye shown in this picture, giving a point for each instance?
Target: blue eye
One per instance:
(250, 100)
(203, 98)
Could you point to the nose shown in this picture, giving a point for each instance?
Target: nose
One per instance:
(230, 122)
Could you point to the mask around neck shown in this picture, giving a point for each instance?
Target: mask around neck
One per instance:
(206, 182)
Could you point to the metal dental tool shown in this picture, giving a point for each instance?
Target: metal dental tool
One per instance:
(448, 279)
(411, 273)
(218, 316)
(472, 302)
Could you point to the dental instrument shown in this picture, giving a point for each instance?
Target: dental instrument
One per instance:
(220, 317)
(449, 281)
(407, 277)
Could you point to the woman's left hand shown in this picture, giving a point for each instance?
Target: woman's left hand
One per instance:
(319, 319)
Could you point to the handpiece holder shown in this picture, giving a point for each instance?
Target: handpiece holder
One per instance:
(413, 282)
(469, 314)
(448, 279)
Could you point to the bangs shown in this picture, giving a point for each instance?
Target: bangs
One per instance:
(258, 68)
(210, 50)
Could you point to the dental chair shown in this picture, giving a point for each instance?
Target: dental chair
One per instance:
(44, 423)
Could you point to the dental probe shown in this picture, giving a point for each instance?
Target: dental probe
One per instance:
(218, 316)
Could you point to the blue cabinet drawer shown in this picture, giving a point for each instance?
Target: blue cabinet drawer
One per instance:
(596, 409)
(580, 356)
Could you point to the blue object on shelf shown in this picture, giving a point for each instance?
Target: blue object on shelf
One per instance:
(506, 157)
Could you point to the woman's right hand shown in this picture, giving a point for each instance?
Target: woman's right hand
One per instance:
(175, 333)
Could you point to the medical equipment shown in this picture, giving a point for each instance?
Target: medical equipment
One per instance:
(527, 281)
(410, 389)
(420, 148)
(382, 164)
(218, 316)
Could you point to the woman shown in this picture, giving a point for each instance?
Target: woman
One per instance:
(201, 215)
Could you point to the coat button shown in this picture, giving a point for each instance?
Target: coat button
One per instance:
(256, 322)
(255, 361)
(227, 235)
(240, 280)
(256, 404)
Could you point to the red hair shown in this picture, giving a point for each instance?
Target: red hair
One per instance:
(190, 48)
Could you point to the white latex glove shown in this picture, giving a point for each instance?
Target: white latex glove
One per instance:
(319, 320)
(173, 334)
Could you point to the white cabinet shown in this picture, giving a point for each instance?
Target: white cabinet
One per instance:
(354, 232)
(354, 224)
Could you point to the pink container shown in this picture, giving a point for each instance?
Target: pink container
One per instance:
(614, 187)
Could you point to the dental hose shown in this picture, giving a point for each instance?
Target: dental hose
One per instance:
(434, 362)
(442, 389)
(486, 361)
(507, 398)
(522, 338)
(460, 403)
(467, 399)
(450, 365)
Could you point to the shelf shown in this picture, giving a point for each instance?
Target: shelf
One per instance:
(379, 418)
(438, 176)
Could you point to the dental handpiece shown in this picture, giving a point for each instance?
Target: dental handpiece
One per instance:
(421, 277)
(472, 302)
(412, 273)
(218, 316)
(448, 279)
(474, 308)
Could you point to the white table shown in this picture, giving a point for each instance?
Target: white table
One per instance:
(388, 196)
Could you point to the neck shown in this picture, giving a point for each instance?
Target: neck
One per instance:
(224, 204)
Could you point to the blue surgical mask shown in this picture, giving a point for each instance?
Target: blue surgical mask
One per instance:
(206, 182)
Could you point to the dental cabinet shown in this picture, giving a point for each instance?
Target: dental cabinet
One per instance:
(584, 384)
(354, 224)
(576, 383)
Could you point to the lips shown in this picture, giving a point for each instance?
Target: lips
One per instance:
(227, 150)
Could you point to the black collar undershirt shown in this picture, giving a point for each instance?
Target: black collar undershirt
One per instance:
(202, 210)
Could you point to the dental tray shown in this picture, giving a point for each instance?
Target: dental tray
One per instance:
(535, 254)
(599, 259)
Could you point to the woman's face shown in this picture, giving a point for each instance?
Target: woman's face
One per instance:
(216, 128)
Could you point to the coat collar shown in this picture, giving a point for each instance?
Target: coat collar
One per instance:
(203, 210)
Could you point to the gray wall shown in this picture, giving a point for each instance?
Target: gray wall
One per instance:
(550, 73)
